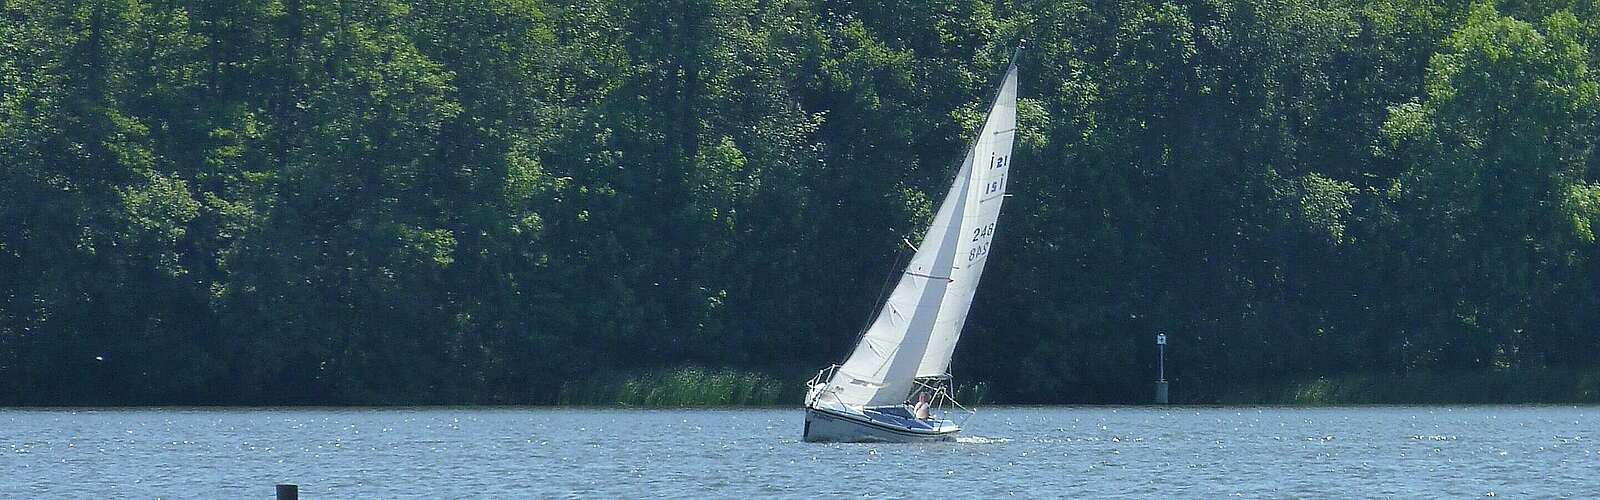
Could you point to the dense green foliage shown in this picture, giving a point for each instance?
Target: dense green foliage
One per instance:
(536, 201)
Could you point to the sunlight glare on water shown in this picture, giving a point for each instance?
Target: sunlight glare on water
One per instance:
(1517, 451)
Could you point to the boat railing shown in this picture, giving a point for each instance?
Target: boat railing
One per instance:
(944, 400)
(823, 376)
(966, 413)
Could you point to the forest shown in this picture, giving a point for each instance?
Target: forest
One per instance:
(381, 202)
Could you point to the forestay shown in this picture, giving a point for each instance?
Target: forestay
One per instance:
(915, 333)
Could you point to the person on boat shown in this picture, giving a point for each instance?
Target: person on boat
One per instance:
(920, 410)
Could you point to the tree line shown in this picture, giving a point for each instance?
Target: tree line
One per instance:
(494, 201)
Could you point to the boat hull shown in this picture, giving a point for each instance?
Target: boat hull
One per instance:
(826, 426)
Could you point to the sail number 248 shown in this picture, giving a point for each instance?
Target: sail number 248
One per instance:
(981, 237)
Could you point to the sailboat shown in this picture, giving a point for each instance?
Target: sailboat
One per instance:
(896, 385)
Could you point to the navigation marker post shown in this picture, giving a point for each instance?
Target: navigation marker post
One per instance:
(1161, 368)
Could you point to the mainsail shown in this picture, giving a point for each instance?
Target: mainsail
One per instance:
(915, 332)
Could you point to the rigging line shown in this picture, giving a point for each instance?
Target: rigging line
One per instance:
(929, 276)
(883, 292)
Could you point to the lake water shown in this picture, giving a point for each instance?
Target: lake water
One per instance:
(1504, 451)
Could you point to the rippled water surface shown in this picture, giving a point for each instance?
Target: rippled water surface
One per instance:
(1026, 452)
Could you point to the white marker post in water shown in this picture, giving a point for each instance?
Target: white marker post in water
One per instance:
(1161, 368)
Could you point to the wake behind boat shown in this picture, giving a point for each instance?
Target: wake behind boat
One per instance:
(896, 386)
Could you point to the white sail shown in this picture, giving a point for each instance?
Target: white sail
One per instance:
(916, 331)
(990, 161)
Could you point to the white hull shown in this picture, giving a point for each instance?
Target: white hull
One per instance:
(825, 426)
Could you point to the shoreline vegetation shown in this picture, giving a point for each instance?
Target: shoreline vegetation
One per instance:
(697, 387)
(682, 387)
(1500, 387)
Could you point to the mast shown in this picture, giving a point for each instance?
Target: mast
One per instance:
(915, 332)
(991, 154)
